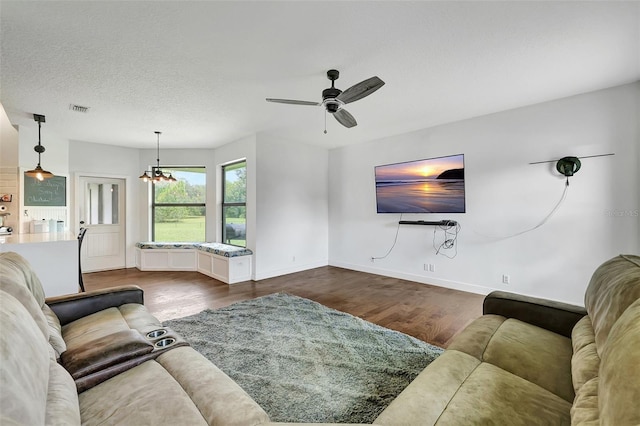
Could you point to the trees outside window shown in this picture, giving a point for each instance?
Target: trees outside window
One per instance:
(178, 208)
(234, 203)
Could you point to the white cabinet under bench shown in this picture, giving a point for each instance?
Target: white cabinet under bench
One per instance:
(224, 262)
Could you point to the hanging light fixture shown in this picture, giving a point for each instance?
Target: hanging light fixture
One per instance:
(38, 172)
(155, 174)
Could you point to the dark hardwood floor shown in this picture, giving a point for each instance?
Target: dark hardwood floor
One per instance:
(430, 313)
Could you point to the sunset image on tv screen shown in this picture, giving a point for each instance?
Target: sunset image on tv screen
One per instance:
(434, 185)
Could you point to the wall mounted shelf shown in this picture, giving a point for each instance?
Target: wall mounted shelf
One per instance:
(431, 223)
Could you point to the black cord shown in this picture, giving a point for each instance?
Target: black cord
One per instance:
(450, 239)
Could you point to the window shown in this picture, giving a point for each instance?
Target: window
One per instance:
(234, 203)
(178, 208)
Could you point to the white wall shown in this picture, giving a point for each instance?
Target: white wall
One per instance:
(92, 159)
(287, 203)
(291, 207)
(504, 195)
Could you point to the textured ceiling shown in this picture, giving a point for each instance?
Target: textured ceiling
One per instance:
(200, 71)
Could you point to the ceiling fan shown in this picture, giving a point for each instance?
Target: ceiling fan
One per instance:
(334, 99)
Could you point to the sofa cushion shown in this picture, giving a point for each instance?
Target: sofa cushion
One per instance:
(199, 394)
(613, 287)
(475, 337)
(584, 411)
(139, 396)
(62, 398)
(40, 390)
(458, 389)
(429, 394)
(219, 399)
(14, 283)
(619, 389)
(55, 331)
(27, 274)
(105, 352)
(585, 361)
(138, 317)
(83, 331)
(535, 354)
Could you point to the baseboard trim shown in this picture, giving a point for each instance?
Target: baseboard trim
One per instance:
(263, 275)
(455, 285)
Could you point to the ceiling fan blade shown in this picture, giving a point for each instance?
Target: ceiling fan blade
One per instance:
(344, 118)
(360, 90)
(293, 102)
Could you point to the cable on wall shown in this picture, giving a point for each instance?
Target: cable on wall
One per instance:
(450, 238)
(395, 240)
(542, 222)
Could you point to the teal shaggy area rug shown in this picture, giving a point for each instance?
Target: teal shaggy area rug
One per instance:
(304, 362)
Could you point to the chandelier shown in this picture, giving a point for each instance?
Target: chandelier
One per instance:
(38, 172)
(155, 174)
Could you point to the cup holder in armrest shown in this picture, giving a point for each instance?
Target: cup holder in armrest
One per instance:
(163, 343)
(156, 333)
(164, 339)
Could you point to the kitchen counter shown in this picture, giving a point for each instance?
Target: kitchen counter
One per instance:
(53, 256)
(43, 237)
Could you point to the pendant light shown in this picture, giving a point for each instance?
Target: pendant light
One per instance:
(38, 172)
(156, 175)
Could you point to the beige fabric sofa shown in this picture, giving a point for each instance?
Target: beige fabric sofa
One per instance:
(535, 362)
(177, 386)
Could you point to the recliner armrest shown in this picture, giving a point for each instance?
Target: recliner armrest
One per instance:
(71, 307)
(548, 314)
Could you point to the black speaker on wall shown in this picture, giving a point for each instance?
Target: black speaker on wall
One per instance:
(568, 166)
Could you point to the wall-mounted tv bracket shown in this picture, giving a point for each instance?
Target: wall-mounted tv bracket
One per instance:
(427, 222)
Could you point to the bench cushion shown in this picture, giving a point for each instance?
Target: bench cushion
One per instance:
(225, 250)
(165, 245)
(220, 249)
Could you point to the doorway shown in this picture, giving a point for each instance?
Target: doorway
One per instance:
(102, 212)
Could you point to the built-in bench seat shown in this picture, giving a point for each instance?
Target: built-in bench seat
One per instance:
(224, 262)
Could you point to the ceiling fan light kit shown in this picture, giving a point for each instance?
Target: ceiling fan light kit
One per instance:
(334, 99)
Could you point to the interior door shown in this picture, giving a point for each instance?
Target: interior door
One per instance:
(102, 212)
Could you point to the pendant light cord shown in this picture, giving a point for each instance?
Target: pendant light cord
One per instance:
(39, 143)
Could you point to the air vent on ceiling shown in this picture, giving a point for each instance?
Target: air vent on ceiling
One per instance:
(78, 108)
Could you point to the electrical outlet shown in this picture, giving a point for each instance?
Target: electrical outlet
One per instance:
(425, 266)
(293, 258)
(432, 267)
(506, 279)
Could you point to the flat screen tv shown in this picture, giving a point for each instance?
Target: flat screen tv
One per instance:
(434, 185)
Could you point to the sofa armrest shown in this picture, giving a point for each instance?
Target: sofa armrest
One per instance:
(71, 307)
(548, 314)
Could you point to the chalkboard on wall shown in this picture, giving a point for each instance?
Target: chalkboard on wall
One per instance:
(50, 192)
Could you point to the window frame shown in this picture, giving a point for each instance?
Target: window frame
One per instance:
(224, 204)
(154, 204)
